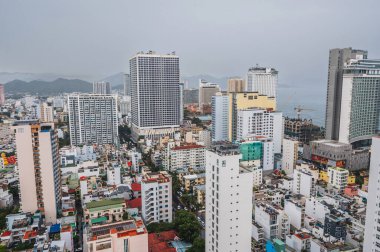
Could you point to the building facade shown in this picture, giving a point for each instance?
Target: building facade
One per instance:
(360, 102)
(220, 120)
(2, 95)
(260, 123)
(38, 166)
(156, 197)
(101, 87)
(235, 85)
(338, 58)
(289, 155)
(246, 100)
(262, 80)
(228, 201)
(184, 157)
(206, 91)
(47, 112)
(372, 223)
(93, 119)
(155, 93)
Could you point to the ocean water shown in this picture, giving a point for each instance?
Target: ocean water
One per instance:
(311, 98)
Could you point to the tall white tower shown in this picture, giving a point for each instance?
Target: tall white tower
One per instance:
(372, 223)
(228, 200)
(263, 80)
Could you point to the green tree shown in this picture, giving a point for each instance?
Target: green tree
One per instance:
(187, 225)
(198, 245)
(125, 216)
(158, 227)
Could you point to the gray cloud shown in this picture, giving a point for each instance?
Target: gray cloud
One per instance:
(96, 38)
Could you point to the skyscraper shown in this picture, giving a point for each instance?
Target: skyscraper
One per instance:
(338, 58)
(2, 95)
(236, 85)
(127, 84)
(39, 173)
(93, 119)
(228, 200)
(220, 120)
(206, 91)
(155, 93)
(372, 223)
(360, 102)
(101, 87)
(262, 80)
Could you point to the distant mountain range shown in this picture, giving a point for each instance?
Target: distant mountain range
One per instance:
(38, 87)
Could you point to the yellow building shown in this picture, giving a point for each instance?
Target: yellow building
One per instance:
(245, 100)
(324, 176)
(189, 181)
(351, 179)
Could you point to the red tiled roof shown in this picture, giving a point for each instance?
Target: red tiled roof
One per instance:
(135, 203)
(186, 147)
(303, 236)
(6, 233)
(158, 242)
(136, 187)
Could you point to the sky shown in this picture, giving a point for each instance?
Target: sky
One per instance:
(96, 38)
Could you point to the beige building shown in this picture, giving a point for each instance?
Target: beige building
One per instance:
(206, 92)
(104, 211)
(38, 165)
(47, 112)
(235, 85)
(191, 180)
(245, 100)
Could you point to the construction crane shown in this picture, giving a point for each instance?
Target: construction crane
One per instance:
(299, 109)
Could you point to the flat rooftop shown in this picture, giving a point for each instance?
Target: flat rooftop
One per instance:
(104, 202)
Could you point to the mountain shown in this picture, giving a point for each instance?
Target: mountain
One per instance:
(55, 87)
(116, 80)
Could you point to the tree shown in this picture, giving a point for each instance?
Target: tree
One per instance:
(187, 225)
(198, 245)
(125, 216)
(157, 227)
(197, 121)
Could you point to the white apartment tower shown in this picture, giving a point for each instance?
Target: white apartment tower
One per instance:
(101, 87)
(372, 223)
(155, 93)
(38, 166)
(261, 123)
(228, 200)
(93, 119)
(156, 197)
(220, 122)
(263, 80)
(289, 155)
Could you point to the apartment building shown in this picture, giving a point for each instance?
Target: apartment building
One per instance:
(303, 183)
(289, 155)
(156, 197)
(184, 157)
(38, 167)
(228, 200)
(338, 177)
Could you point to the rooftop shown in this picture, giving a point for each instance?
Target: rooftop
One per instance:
(188, 147)
(104, 202)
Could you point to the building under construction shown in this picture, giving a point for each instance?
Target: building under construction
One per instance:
(302, 130)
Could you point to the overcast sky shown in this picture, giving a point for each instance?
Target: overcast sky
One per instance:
(218, 37)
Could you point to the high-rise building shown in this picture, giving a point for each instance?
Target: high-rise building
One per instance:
(127, 84)
(289, 155)
(260, 123)
(93, 119)
(258, 148)
(206, 91)
(246, 100)
(262, 80)
(47, 112)
(155, 94)
(372, 223)
(220, 120)
(38, 166)
(338, 58)
(235, 85)
(101, 87)
(156, 196)
(228, 200)
(360, 102)
(2, 95)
